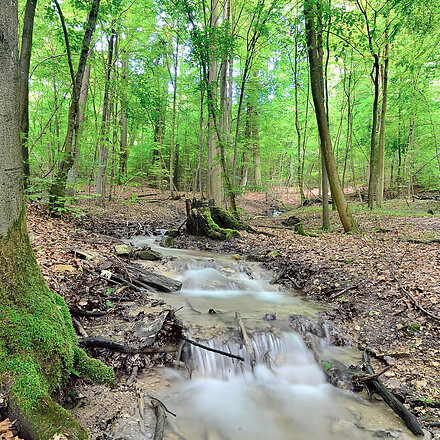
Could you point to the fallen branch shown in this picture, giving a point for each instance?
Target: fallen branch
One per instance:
(247, 341)
(408, 418)
(411, 297)
(278, 276)
(79, 328)
(122, 348)
(367, 377)
(74, 310)
(341, 292)
(214, 350)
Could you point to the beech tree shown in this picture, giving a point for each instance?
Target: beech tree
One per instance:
(312, 9)
(38, 347)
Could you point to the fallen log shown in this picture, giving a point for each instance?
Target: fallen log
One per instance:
(408, 418)
(74, 310)
(145, 277)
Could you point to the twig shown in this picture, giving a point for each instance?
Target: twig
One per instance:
(372, 376)
(214, 350)
(411, 297)
(246, 340)
(77, 311)
(341, 292)
(79, 328)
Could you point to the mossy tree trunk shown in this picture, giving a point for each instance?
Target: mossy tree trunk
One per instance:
(38, 347)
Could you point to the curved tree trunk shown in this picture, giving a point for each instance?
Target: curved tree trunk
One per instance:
(38, 347)
(311, 7)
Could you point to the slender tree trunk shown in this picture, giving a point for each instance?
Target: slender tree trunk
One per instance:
(105, 125)
(381, 151)
(24, 63)
(58, 187)
(316, 76)
(123, 150)
(372, 178)
(173, 120)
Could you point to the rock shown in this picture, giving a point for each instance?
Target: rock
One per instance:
(123, 249)
(167, 241)
(252, 257)
(236, 257)
(150, 255)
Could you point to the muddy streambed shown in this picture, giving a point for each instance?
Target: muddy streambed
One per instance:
(285, 396)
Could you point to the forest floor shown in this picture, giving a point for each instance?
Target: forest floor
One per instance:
(382, 285)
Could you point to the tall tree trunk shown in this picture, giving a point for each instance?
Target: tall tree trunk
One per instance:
(58, 187)
(311, 8)
(72, 174)
(173, 120)
(105, 125)
(214, 170)
(123, 150)
(24, 64)
(38, 347)
(381, 151)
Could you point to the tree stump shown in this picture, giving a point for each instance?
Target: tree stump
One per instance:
(206, 219)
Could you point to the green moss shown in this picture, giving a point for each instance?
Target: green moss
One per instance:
(218, 232)
(38, 347)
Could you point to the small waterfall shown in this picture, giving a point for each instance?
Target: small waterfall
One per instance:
(272, 352)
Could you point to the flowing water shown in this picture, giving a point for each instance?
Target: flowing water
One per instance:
(286, 395)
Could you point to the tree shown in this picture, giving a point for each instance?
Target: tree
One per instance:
(38, 347)
(58, 187)
(312, 10)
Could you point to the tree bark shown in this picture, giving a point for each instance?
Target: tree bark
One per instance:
(311, 8)
(58, 187)
(381, 151)
(173, 120)
(214, 170)
(105, 125)
(123, 150)
(38, 346)
(24, 64)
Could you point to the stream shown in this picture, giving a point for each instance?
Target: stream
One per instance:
(285, 397)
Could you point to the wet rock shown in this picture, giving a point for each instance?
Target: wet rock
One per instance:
(172, 233)
(123, 249)
(167, 241)
(269, 317)
(150, 255)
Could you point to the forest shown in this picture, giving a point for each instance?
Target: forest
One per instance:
(217, 97)
(219, 219)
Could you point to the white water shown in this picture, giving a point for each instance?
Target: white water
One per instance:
(286, 396)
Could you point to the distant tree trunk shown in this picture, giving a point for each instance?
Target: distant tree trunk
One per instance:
(372, 178)
(214, 170)
(72, 174)
(58, 187)
(123, 150)
(300, 165)
(312, 7)
(24, 64)
(38, 346)
(411, 142)
(105, 125)
(173, 120)
(381, 151)
(324, 185)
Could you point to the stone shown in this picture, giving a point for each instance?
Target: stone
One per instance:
(167, 241)
(123, 249)
(150, 255)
